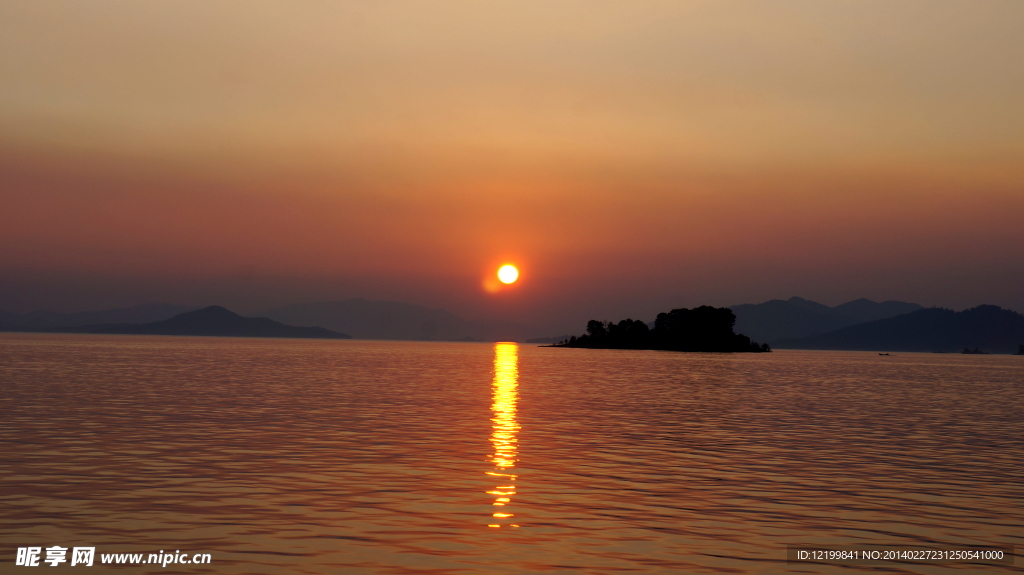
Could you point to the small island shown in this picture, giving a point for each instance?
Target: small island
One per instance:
(701, 329)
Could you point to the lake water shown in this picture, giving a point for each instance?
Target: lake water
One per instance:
(303, 456)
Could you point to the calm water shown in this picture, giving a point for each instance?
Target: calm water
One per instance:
(300, 456)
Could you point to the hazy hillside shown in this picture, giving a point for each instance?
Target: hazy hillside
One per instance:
(216, 321)
(778, 320)
(864, 310)
(44, 320)
(368, 319)
(9, 320)
(988, 327)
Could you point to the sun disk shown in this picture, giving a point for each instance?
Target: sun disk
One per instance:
(508, 274)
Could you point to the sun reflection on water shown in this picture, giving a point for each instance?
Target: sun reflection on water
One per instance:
(505, 428)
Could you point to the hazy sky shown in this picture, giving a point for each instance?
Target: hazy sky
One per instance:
(629, 156)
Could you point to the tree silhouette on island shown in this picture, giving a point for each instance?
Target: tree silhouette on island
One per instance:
(704, 328)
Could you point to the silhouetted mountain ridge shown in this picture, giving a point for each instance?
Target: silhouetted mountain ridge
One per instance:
(777, 320)
(987, 327)
(215, 321)
(43, 320)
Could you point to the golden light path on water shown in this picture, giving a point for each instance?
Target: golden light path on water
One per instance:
(505, 428)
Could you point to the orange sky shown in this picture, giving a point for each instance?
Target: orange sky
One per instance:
(631, 157)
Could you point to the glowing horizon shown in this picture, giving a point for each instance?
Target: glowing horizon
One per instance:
(637, 158)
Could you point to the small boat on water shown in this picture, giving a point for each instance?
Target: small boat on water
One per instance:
(883, 354)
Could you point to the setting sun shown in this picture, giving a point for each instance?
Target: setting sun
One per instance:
(508, 274)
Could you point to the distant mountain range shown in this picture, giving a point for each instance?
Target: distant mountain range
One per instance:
(778, 320)
(368, 319)
(213, 321)
(795, 323)
(365, 319)
(42, 320)
(987, 328)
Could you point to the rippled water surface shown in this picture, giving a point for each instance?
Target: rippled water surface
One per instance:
(301, 456)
